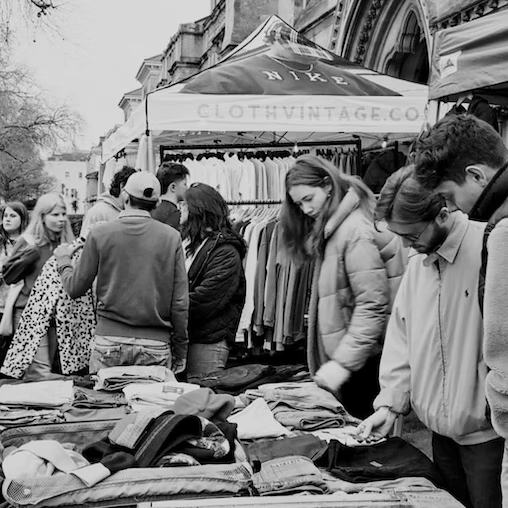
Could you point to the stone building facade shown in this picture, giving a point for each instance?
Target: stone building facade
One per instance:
(389, 36)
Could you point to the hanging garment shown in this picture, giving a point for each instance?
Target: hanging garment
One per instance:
(75, 324)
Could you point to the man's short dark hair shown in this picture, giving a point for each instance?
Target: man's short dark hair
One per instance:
(455, 142)
(119, 180)
(142, 204)
(170, 172)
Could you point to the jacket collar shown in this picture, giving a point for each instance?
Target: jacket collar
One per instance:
(349, 202)
(450, 248)
(134, 213)
(492, 197)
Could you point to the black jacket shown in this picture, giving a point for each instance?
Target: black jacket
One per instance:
(217, 290)
(491, 207)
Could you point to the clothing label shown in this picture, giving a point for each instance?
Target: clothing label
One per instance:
(172, 389)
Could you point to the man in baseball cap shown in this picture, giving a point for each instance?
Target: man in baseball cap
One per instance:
(142, 288)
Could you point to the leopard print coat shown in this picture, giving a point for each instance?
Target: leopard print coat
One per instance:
(75, 325)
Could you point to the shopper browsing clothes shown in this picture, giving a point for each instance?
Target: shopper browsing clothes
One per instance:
(142, 293)
(13, 221)
(465, 159)
(432, 358)
(214, 252)
(49, 226)
(327, 217)
(109, 204)
(173, 179)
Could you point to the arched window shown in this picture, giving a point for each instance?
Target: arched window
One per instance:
(409, 59)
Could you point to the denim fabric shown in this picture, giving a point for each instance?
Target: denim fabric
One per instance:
(207, 358)
(300, 396)
(131, 485)
(394, 458)
(288, 475)
(87, 398)
(107, 351)
(267, 449)
(307, 420)
(472, 473)
(504, 477)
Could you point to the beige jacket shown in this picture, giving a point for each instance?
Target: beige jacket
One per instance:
(432, 359)
(353, 287)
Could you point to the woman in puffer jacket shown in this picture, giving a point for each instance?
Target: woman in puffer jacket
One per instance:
(214, 254)
(327, 217)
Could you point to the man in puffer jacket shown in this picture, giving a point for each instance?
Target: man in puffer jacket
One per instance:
(432, 359)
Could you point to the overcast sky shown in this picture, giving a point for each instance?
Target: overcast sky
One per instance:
(92, 60)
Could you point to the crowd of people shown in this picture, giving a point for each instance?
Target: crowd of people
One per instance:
(408, 293)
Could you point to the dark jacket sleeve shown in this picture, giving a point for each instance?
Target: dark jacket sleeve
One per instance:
(77, 280)
(180, 308)
(23, 256)
(219, 282)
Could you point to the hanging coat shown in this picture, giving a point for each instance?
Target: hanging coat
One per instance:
(75, 325)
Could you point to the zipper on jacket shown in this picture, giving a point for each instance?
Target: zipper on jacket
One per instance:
(443, 362)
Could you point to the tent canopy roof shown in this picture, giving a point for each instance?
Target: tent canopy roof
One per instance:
(472, 58)
(278, 85)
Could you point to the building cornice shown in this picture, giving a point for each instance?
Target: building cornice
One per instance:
(482, 8)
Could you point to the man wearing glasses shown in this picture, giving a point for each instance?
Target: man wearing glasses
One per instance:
(432, 357)
(466, 159)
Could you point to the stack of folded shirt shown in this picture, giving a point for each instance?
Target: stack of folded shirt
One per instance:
(49, 394)
(115, 378)
(162, 395)
(15, 417)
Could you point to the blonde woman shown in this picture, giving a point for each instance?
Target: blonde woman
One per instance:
(49, 226)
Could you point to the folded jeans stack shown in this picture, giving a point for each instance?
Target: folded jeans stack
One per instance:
(389, 460)
(303, 406)
(289, 475)
(115, 378)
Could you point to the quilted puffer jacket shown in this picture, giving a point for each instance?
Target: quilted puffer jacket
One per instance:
(354, 286)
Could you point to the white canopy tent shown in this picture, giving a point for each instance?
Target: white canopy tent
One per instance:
(259, 95)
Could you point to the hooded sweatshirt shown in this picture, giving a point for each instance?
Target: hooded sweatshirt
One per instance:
(105, 209)
(216, 289)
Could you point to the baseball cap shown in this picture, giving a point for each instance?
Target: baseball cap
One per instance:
(143, 185)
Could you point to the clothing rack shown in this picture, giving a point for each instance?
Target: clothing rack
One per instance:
(394, 145)
(255, 202)
(246, 146)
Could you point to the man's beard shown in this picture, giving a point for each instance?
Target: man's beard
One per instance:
(437, 239)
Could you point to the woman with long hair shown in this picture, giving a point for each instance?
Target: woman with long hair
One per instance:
(327, 217)
(214, 253)
(13, 221)
(49, 226)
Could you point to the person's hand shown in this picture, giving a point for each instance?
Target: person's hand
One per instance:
(178, 366)
(331, 376)
(66, 250)
(377, 425)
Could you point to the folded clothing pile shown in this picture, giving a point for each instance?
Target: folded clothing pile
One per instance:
(163, 395)
(302, 406)
(289, 475)
(389, 460)
(196, 427)
(115, 378)
(236, 380)
(48, 394)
